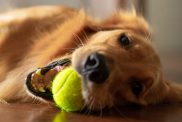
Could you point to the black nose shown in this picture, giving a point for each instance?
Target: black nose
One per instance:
(95, 68)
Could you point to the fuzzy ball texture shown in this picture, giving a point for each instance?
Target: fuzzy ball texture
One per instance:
(66, 89)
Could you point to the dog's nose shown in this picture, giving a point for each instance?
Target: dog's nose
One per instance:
(95, 68)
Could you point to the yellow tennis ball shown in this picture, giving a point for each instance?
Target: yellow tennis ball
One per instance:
(66, 89)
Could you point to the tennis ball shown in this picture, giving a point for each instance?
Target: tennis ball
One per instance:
(66, 89)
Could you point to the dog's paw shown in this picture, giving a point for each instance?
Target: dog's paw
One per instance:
(39, 82)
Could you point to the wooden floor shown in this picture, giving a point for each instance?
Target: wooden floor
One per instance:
(42, 113)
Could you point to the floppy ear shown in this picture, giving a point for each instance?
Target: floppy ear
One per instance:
(164, 92)
(128, 21)
(174, 93)
(68, 36)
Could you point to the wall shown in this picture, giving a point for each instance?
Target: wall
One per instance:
(6, 5)
(165, 18)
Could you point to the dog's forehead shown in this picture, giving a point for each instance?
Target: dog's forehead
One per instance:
(106, 34)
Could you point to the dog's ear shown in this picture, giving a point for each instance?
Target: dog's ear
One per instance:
(74, 33)
(127, 21)
(174, 93)
(163, 92)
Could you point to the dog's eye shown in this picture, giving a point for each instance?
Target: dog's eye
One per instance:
(124, 41)
(136, 87)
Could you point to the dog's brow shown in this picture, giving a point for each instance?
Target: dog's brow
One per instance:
(124, 28)
(107, 28)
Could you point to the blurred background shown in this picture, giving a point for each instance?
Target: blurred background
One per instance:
(164, 16)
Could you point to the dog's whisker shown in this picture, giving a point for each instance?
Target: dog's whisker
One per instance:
(119, 111)
(70, 50)
(85, 36)
(79, 39)
(34, 100)
(84, 106)
(92, 100)
(78, 44)
(91, 104)
(88, 111)
(82, 43)
(101, 112)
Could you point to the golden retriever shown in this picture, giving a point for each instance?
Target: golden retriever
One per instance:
(115, 57)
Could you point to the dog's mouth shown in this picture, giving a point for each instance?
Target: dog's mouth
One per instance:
(95, 71)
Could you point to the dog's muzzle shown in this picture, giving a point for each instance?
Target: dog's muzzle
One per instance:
(95, 68)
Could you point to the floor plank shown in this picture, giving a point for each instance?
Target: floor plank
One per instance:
(46, 113)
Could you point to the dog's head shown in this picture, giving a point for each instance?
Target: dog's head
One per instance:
(118, 63)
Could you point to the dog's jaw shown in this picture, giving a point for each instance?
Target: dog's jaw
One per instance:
(95, 98)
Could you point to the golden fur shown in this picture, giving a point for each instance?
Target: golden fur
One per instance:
(34, 37)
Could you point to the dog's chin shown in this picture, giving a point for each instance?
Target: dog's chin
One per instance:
(96, 96)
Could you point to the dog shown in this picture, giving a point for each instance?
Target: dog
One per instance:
(115, 57)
